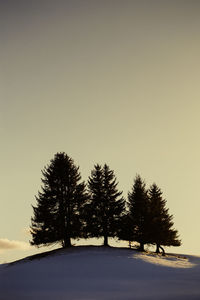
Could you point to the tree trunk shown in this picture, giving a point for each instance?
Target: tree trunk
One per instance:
(105, 240)
(68, 226)
(157, 248)
(141, 248)
(67, 242)
(163, 251)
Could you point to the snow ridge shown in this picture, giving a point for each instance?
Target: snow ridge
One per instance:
(94, 273)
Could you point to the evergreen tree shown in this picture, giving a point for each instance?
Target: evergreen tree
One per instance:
(126, 229)
(106, 205)
(57, 216)
(161, 223)
(138, 212)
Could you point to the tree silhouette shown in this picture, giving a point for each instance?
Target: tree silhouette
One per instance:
(106, 205)
(161, 230)
(126, 228)
(57, 216)
(138, 212)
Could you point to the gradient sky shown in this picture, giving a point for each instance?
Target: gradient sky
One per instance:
(113, 82)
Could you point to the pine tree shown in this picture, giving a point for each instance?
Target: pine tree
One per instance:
(106, 205)
(126, 229)
(57, 216)
(161, 223)
(138, 212)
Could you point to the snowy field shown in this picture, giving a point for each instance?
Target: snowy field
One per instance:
(94, 273)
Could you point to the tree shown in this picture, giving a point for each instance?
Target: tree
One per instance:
(57, 216)
(138, 212)
(105, 206)
(161, 223)
(126, 229)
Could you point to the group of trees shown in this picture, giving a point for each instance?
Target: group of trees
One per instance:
(147, 220)
(68, 208)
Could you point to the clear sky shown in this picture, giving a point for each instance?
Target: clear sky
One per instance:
(105, 81)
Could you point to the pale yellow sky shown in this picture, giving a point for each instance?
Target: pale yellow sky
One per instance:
(104, 81)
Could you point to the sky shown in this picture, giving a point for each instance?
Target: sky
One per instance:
(107, 81)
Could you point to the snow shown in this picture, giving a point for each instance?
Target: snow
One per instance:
(94, 273)
(172, 261)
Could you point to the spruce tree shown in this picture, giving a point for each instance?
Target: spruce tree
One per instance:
(138, 212)
(126, 229)
(106, 206)
(57, 215)
(161, 222)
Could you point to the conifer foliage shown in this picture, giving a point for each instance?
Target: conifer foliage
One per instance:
(138, 212)
(106, 206)
(147, 220)
(161, 222)
(57, 216)
(65, 210)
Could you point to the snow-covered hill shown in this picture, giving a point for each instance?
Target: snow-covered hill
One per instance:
(94, 273)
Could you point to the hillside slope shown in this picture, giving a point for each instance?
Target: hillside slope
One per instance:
(95, 273)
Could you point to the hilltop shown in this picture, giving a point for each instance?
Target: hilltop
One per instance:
(94, 273)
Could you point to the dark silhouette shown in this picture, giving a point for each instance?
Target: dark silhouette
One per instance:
(66, 210)
(147, 220)
(160, 222)
(126, 228)
(138, 212)
(57, 216)
(106, 205)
